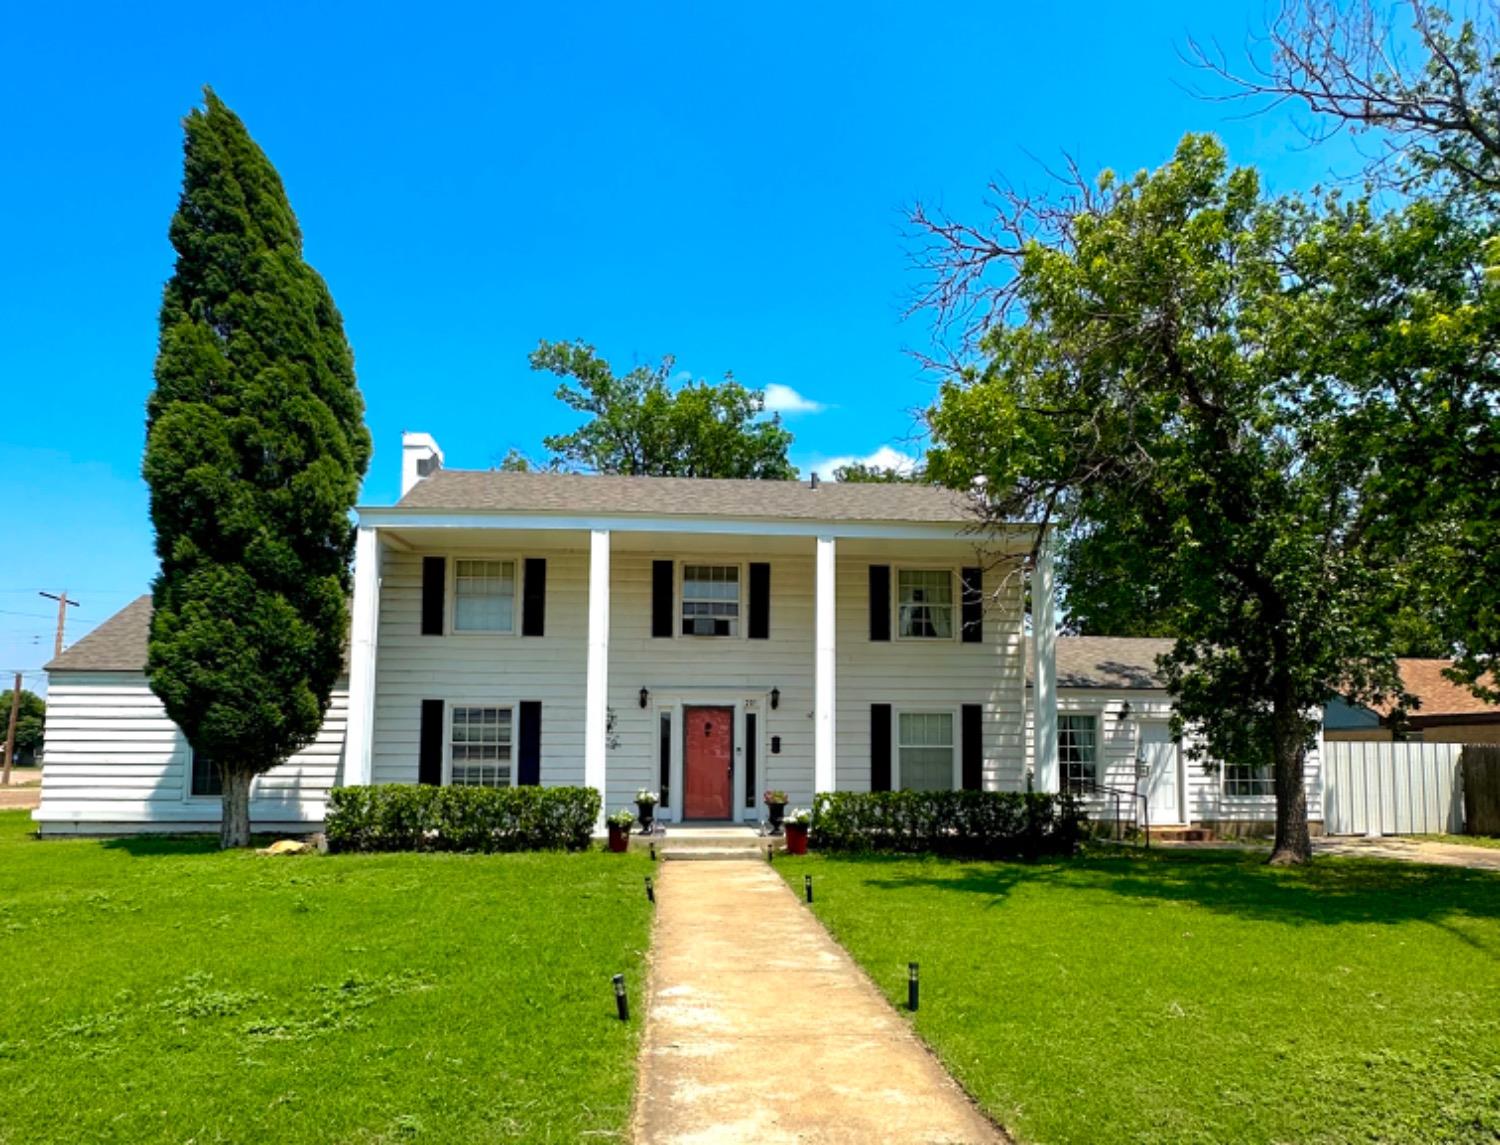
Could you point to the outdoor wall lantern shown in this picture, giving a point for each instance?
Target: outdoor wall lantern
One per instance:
(645, 697)
(775, 698)
(1124, 710)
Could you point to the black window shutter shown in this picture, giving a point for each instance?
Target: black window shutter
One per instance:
(973, 747)
(880, 602)
(434, 582)
(529, 744)
(880, 747)
(661, 598)
(430, 742)
(760, 601)
(972, 580)
(752, 745)
(534, 597)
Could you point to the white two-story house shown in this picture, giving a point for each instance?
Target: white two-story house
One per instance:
(705, 639)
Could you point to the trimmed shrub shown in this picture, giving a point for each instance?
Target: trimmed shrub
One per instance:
(974, 824)
(404, 817)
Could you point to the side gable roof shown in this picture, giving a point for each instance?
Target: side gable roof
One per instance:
(117, 645)
(467, 490)
(1439, 695)
(1109, 662)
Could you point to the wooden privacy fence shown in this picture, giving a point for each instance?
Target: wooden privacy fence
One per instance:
(1481, 772)
(1392, 788)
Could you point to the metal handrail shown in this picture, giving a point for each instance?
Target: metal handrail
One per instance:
(1117, 793)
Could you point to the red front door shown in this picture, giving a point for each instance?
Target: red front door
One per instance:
(707, 762)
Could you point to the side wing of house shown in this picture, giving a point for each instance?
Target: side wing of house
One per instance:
(115, 764)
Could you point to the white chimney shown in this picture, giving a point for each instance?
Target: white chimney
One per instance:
(420, 456)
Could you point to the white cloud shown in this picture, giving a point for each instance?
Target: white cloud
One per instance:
(784, 399)
(886, 457)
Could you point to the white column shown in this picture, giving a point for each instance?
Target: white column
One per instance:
(1044, 667)
(363, 635)
(596, 686)
(823, 671)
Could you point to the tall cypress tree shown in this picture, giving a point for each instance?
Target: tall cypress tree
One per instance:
(255, 447)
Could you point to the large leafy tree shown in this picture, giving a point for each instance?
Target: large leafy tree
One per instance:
(639, 425)
(1152, 388)
(1425, 92)
(255, 447)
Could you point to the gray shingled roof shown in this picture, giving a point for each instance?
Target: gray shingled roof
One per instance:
(467, 489)
(117, 645)
(1110, 661)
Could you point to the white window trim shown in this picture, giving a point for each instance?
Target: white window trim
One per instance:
(1225, 793)
(1098, 715)
(514, 706)
(955, 581)
(956, 712)
(742, 621)
(450, 593)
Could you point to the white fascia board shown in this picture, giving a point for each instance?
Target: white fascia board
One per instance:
(387, 517)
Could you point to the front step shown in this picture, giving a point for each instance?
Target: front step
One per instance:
(713, 854)
(1182, 834)
(727, 841)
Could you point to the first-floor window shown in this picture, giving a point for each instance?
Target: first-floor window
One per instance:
(479, 747)
(1078, 751)
(205, 779)
(925, 745)
(1247, 779)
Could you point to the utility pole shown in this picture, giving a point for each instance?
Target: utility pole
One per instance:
(10, 735)
(62, 617)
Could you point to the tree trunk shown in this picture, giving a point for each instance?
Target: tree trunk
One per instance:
(234, 826)
(1293, 844)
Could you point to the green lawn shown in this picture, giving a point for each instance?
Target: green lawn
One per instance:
(1193, 997)
(160, 991)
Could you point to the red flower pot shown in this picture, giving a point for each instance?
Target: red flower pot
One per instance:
(619, 839)
(796, 838)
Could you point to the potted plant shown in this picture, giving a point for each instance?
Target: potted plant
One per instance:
(798, 823)
(619, 830)
(776, 806)
(645, 804)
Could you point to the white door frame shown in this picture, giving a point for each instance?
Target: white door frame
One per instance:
(1143, 784)
(741, 702)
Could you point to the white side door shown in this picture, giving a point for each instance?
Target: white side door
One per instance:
(1162, 782)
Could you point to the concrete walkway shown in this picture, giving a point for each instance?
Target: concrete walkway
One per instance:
(1411, 851)
(761, 1028)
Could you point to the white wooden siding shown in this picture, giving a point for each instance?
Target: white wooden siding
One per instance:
(1393, 789)
(508, 669)
(116, 763)
(476, 667)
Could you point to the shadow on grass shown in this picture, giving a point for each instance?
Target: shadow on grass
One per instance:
(1326, 892)
(149, 846)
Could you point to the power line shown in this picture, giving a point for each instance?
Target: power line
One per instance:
(31, 615)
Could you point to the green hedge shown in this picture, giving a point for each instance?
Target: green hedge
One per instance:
(977, 824)
(403, 817)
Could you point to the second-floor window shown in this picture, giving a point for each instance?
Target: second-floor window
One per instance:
(925, 603)
(484, 596)
(710, 600)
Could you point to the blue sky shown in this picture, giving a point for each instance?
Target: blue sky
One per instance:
(720, 183)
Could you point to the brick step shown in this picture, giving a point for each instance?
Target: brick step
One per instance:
(713, 854)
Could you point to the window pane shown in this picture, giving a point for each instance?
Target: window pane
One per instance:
(925, 603)
(479, 746)
(206, 779)
(1078, 749)
(710, 600)
(925, 742)
(484, 596)
(1241, 779)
